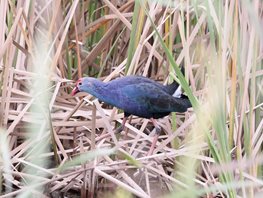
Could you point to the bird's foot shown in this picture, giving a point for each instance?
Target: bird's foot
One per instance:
(155, 138)
(150, 152)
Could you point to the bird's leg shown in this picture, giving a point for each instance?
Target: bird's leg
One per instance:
(120, 128)
(127, 130)
(155, 138)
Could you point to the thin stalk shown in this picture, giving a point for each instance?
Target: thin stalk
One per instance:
(233, 79)
(134, 35)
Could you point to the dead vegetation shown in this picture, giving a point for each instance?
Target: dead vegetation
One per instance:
(53, 144)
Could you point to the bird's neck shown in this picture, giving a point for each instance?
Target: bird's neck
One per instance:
(104, 93)
(100, 91)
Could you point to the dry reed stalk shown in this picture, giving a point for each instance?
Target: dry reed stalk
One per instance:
(77, 128)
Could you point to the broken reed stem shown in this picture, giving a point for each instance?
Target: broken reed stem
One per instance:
(93, 144)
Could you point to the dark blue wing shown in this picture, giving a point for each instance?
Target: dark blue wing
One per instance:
(145, 98)
(130, 80)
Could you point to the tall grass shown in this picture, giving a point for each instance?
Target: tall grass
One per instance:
(52, 143)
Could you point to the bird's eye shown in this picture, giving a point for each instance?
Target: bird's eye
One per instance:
(80, 83)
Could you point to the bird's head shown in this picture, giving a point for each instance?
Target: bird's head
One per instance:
(77, 87)
(84, 85)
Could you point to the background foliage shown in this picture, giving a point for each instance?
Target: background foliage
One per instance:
(53, 144)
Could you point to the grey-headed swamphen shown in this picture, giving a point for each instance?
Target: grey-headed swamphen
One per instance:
(137, 95)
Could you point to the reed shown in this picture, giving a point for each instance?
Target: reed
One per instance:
(52, 144)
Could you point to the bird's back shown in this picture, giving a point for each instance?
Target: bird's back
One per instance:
(133, 79)
(145, 98)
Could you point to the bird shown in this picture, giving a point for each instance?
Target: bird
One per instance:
(139, 96)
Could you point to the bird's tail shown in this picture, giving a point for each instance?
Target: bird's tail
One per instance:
(186, 101)
(181, 104)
